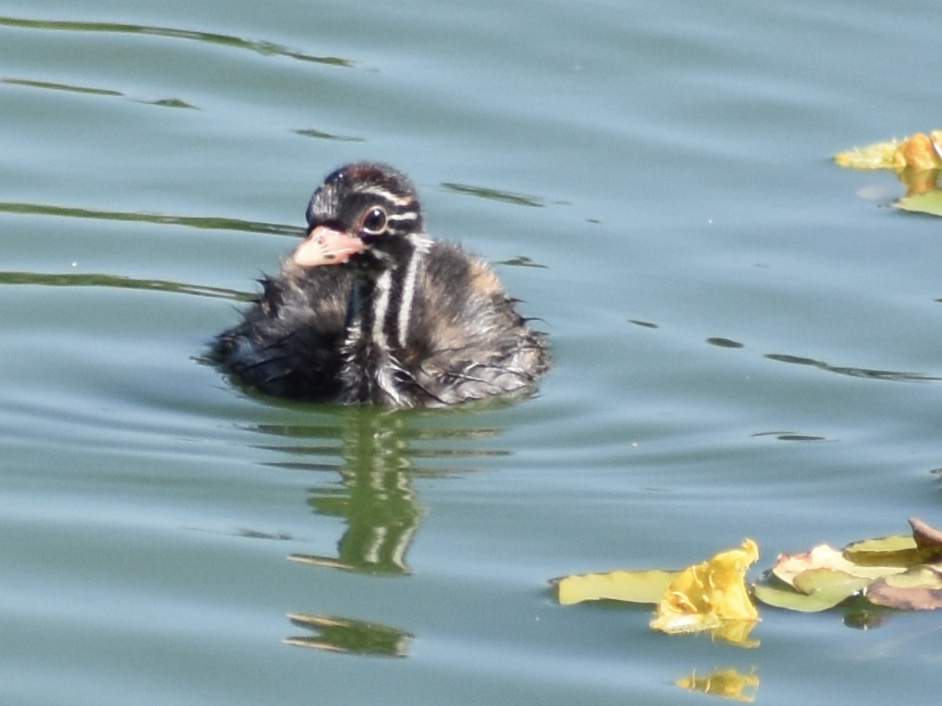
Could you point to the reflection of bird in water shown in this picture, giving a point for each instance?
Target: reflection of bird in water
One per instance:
(377, 498)
(382, 453)
(369, 309)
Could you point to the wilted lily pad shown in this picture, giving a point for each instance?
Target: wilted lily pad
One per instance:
(709, 594)
(791, 568)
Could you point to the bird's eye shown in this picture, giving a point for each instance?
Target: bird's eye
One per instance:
(374, 222)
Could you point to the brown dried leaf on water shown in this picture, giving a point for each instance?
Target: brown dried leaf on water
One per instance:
(924, 535)
(920, 588)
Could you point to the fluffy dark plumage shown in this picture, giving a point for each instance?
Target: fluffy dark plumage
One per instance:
(406, 322)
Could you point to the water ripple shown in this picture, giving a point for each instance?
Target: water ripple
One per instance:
(259, 47)
(202, 222)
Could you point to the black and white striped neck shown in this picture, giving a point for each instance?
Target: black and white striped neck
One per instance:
(379, 323)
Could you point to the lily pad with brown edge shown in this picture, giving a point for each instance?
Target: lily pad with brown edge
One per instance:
(900, 551)
(824, 557)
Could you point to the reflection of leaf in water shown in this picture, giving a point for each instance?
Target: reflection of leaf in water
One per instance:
(209, 223)
(118, 282)
(349, 636)
(727, 683)
(259, 47)
(493, 194)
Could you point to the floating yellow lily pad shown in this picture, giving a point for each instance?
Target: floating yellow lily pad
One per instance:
(708, 596)
(919, 151)
(629, 586)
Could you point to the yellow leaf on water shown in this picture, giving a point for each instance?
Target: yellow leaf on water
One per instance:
(887, 551)
(705, 596)
(630, 586)
(920, 151)
(877, 156)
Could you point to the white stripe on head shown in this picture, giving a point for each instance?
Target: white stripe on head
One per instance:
(387, 195)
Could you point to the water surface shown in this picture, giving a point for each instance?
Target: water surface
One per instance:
(744, 346)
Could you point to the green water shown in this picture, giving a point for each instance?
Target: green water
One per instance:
(745, 347)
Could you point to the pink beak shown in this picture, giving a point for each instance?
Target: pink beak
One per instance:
(326, 246)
